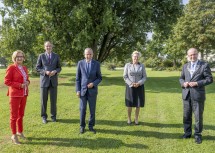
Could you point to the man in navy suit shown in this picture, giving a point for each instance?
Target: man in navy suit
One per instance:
(48, 65)
(194, 77)
(88, 77)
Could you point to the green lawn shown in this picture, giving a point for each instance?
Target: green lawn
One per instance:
(160, 120)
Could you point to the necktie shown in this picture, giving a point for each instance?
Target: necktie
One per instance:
(192, 69)
(193, 66)
(88, 68)
(49, 56)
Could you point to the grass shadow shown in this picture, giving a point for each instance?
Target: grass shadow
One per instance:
(94, 144)
(109, 81)
(124, 123)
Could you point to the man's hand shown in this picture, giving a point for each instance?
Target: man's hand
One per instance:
(90, 85)
(193, 84)
(53, 73)
(186, 84)
(48, 73)
(78, 94)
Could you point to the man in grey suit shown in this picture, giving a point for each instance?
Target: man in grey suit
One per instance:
(194, 77)
(88, 77)
(48, 65)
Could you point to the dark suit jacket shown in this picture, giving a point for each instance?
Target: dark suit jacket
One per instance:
(43, 65)
(202, 76)
(82, 78)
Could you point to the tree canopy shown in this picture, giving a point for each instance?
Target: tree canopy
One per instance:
(112, 28)
(194, 29)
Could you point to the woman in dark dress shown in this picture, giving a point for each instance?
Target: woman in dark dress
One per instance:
(134, 76)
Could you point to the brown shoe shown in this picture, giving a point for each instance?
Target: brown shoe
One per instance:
(15, 140)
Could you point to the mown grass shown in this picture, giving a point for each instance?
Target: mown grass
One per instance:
(160, 120)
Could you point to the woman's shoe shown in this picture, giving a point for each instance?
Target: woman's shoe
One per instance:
(21, 135)
(136, 122)
(129, 122)
(15, 140)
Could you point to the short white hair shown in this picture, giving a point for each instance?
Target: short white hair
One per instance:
(88, 49)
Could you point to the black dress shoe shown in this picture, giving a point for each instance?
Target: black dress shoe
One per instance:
(92, 130)
(81, 130)
(54, 120)
(186, 136)
(44, 120)
(198, 140)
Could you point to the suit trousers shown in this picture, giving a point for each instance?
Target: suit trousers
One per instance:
(44, 91)
(17, 109)
(197, 107)
(83, 107)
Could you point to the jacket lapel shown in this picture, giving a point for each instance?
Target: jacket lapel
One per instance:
(188, 70)
(85, 67)
(92, 66)
(131, 67)
(52, 57)
(198, 65)
(17, 69)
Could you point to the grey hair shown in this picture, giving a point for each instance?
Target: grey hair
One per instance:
(88, 49)
(49, 43)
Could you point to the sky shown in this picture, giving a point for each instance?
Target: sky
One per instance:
(184, 1)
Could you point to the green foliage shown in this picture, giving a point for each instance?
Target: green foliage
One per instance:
(153, 62)
(194, 29)
(110, 66)
(111, 28)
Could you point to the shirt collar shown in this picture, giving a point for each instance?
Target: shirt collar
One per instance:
(48, 53)
(194, 62)
(88, 62)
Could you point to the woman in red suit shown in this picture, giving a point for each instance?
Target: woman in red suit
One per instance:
(17, 80)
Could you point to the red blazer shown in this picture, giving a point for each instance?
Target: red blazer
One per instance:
(14, 80)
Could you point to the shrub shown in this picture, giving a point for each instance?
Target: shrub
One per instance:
(110, 66)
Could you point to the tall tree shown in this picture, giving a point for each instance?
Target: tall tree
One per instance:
(109, 27)
(194, 29)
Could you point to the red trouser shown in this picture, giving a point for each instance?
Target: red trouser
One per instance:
(17, 108)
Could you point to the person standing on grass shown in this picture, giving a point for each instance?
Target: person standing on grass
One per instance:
(17, 80)
(48, 65)
(135, 77)
(195, 76)
(88, 77)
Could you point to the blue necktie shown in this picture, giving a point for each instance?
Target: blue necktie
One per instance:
(193, 65)
(88, 68)
(192, 69)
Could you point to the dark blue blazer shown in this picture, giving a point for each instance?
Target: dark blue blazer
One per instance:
(83, 78)
(202, 76)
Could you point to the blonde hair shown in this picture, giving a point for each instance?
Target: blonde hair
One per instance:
(15, 54)
(136, 52)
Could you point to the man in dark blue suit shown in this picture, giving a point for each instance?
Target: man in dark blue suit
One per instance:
(88, 77)
(48, 65)
(194, 77)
